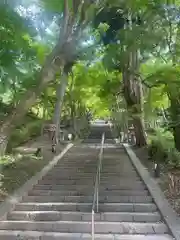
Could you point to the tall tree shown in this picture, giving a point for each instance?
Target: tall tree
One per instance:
(76, 16)
(60, 92)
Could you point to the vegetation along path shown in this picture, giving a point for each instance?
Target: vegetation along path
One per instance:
(65, 64)
(59, 206)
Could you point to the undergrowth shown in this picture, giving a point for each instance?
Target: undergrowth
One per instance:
(161, 148)
(24, 133)
(17, 169)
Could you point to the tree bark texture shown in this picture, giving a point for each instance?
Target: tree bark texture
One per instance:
(60, 92)
(133, 95)
(175, 116)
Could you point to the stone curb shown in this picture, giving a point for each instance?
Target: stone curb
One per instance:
(9, 204)
(169, 215)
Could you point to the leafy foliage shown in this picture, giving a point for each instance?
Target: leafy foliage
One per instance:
(96, 83)
(162, 149)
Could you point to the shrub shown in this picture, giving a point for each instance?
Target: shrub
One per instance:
(158, 151)
(24, 133)
(9, 160)
(161, 149)
(173, 159)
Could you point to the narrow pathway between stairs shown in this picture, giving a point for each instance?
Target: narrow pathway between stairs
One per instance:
(59, 206)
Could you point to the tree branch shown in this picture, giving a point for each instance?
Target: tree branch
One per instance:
(65, 19)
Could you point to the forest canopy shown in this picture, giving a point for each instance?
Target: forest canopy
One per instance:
(65, 60)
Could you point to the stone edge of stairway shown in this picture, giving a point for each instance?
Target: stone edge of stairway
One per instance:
(169, 215)
(10, 202)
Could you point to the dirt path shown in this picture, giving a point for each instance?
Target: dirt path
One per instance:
(16, 173)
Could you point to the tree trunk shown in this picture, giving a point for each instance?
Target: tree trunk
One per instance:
(175, 113)
(60, 92)
(4, 137)
(72, 103)
(133, 95)
(176, 134)
(139, 132)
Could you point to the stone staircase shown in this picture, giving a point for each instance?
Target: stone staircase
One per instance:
(59, 206)
(96, 134)
(128, 210)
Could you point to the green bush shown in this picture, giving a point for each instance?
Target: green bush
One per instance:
(173, 158)
(161, 149)
(9, 160)
(24, 133)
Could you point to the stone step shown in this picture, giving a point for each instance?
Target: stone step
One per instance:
(113, 165)
(86, 167)
(116, 167)
(114, 162)
(128, 181)
(78, 163)
(80, 160)
(117, 170)
(76, 168)
(87, 171)
(82, 175)
(83, 187)
(71, 173)
(120, 178)
(107, 184)
(37, 235)
(127, 207)
(114, 158)
(85, 227)
(92, 155)
(86, 192)
(68, 178)
(75, 163)
(59, 193)
(120, 173)
(89, 181)
(103, 178)
(125, 186)
(89, 199)
(87, 207)
(121, 182)
(124, 192)
(80, 216)
(83, 163)
(66, 182)
(64, 173)
(82, 157)
(62, 187)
